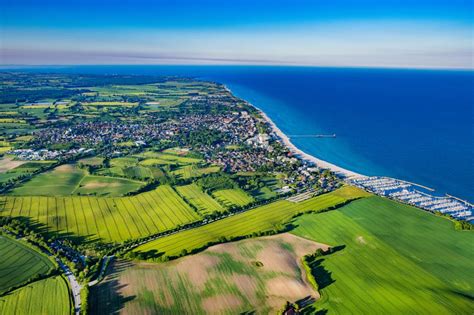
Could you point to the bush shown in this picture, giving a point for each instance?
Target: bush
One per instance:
(84, 299)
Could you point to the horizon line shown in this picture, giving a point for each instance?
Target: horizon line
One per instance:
(293, 65)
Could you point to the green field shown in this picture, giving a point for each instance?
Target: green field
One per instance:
(397, 259)
(60, 181)
(23, 169)
(264, 218)
(20, 263)
(106, 186)
(124, 161)
(48, 296)
(138, 172)
(202, 201)
(92, 161)
(191, 171)
(105, 218)
(158, 158)
(232, 197)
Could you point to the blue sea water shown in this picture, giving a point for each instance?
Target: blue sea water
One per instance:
(416, 125)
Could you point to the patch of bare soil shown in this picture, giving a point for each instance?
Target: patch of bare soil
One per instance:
(94, 185)
(8, 163)
(265, 286)
(197, 269)
(221, 303)
(65, 168)
(361, 240)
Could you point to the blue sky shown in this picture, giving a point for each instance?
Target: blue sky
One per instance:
(384, 33)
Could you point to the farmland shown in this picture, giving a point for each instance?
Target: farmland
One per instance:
(232, 197)
(12, 170)
(265, 218)
(60, 181)
(47, 296)
(255, 275)
(102, 218)
(20, 263)
(202, 201)
(157, 158)
(106, 186)
(191, 171)
(391, 260)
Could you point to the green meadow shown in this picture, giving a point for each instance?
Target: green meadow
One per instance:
(270, 217)
(61, 181)
(204, 203)
(232, 197)
(191, 171)
(20, 263)
(394, 259)
(106, 186)
(47, 296)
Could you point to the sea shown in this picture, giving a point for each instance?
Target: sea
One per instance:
(415, 125)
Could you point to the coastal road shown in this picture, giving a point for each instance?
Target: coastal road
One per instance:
(75, 286)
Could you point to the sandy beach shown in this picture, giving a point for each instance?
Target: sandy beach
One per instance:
(297, 152)
(320, 163)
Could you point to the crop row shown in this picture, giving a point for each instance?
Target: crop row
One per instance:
(266, 218)
(19, 263)
(48, 296)
(108, 219)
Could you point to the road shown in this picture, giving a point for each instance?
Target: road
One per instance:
(105, 261)
(75, 286)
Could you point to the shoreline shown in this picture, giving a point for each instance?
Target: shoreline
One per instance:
(342, 172)
(303, 155)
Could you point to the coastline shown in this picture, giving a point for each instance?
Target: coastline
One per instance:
(342, 172)
(305, 156)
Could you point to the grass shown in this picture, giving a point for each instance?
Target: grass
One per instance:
(102, 218)
(157, 158)
(232, 197)
(202, 201)
(20, 263)
(106, 186)
(30, 167)
(124, 162)
(263, 193)
(191, 171)
(138, 172)
(265, 218)
(126, 104)
(397, 259)
(61, 181)
(48, 296)
(156, 162)
(92, 161)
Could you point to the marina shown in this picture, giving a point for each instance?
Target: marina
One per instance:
(418, 196)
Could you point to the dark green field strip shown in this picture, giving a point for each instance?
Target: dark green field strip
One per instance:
(48, 296)
(20, 263)
(375, 274)
(261, 219)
